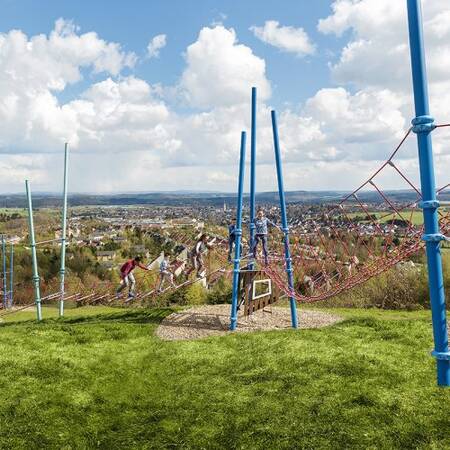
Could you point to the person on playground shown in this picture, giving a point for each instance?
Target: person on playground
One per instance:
(127, 277)
(165, 274)
(261, 224)
(231, 238)
(196, 255)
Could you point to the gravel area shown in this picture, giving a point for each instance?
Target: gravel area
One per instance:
(214, 320)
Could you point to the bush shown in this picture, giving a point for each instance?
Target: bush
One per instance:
(401, 287)
(195, 294)
(220, 293)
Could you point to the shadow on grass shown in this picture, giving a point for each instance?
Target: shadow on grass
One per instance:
(137, 316)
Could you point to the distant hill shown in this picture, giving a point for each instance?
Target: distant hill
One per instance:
(185, 198)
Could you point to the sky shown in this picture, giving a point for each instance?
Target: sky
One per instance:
(153, 95)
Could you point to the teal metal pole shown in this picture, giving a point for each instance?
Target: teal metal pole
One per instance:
(284, 221)
(5, 279)
(423, 125)
(11, 276)
(63, 232)
(238, 234)
(37, 290)
(252, 175)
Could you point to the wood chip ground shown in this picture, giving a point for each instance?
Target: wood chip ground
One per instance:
(214, 320)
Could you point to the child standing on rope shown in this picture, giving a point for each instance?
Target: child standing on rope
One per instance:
(231, 238)
(127, 277)
(165, 274)
(261, 227)
(196, 255)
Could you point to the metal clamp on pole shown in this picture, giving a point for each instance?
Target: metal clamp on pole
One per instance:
(429, 204)
(444, 356)
(423, 124)
(433, 237)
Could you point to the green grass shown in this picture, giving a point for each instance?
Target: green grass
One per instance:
(21, 211)
(101, 379)
(416, 217)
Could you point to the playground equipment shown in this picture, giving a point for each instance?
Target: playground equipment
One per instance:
(319, 259)
(247, 295)
(336, 280)
(8, 295)
(423, 124)
(257, 291)
(33, 244)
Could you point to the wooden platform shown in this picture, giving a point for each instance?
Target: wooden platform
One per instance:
(250, 299)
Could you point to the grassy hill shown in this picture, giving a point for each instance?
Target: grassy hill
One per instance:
(101, 379)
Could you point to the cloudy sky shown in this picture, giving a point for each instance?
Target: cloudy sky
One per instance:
(153, 95)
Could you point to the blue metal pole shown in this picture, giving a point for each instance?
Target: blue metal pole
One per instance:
(37, 290)
(5, 279)
(63, 233)
(284, 221)
(423, 124)
(238, 234)
(252, 174)
(11, 276)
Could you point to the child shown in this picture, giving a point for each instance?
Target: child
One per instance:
(231, 238)
(261, 224)
(165, 273)
(127, 277)
(196, 255)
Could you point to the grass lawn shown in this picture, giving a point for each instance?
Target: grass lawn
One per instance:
(101, 379)
(21, 211)
(416, 217)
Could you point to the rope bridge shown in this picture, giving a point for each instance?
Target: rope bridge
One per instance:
(349, 244)
(331, 252)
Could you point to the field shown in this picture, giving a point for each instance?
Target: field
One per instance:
(416, 216)
(101, 379)
(21, 211)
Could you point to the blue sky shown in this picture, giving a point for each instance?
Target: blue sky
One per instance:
(336, 71)
(134, 23)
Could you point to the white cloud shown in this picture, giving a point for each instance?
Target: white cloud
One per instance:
(378, 51)
(155, 45)
(285, 38)
(125, 134)
(220, 71)
(121, 116)
(33, 70)
(375, 65)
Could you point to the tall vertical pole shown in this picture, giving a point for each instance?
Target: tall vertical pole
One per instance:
(238, 234)
(63, 233)
(11, 275)
(37, 290)
(5, 279)
(423, 124)
(284, 221)
(252, 174)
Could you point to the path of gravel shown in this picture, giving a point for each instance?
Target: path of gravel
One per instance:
(214, 320)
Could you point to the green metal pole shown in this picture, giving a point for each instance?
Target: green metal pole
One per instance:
(37, 290)
(5, 278)
(63, 232)
(11, 276)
